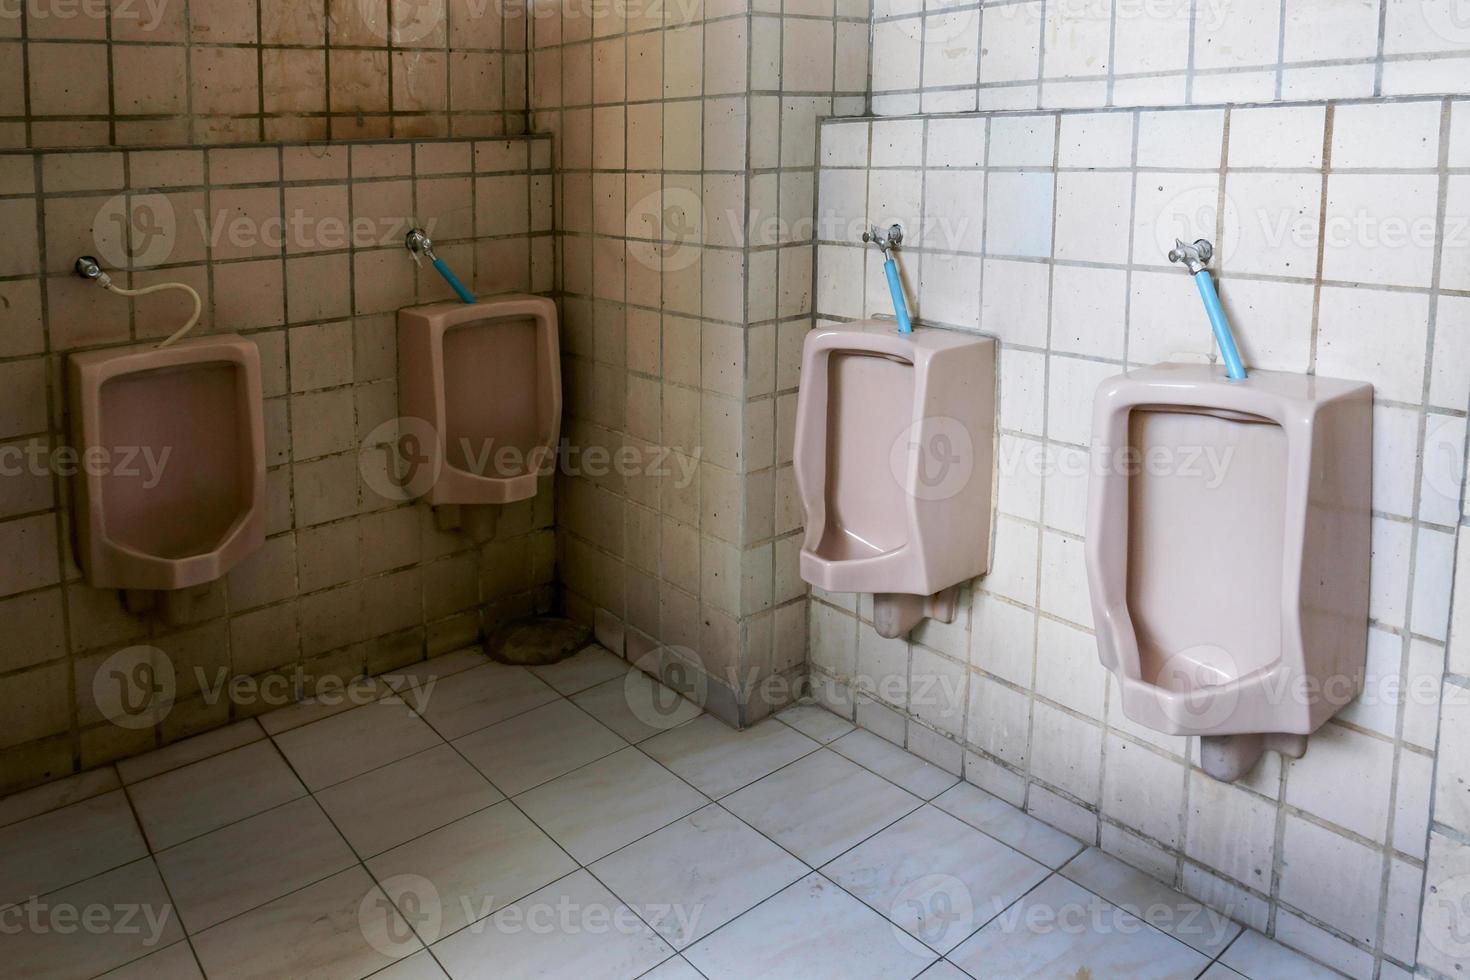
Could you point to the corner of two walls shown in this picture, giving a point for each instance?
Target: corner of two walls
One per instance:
(297, 246)
(1045, 227)
(686, 135)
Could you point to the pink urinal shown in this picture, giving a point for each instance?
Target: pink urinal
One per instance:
(894, 464)
(171, 489)
(484, 381)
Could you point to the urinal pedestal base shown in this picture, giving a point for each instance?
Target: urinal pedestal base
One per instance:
(476, 520)
(174, 606)
(1229, 757)
(895, 613)
(447, 517)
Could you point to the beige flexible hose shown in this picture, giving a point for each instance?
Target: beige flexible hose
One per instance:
(106, 283)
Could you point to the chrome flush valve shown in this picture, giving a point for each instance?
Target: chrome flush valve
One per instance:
(892, 238)
(419, 243)
(1195, 257)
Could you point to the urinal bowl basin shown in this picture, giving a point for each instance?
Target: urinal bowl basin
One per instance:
(485, 379)
(893, 457)
(170, 490)
(1228, 547)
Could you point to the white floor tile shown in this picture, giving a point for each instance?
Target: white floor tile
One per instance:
(57, 794)
(697, 874)
(675, 968)
(349, 744)
(141, 920)
(572, 928)
(717, 760)
(342, 926)
(935, 876)
(400, 801)
(252, 862)
(68, 845)
(1219, 971)
(416, 682)
(174, 962)
(1009, 825)
(812, 930)
(364, 690)
(588, 668)
(538, 746)
(1255, 956)
(636, 706)
(1061, 929)
(469, 869)
(471, 700)
(419, 966)
(184, 803)
(1157, 904)
(190, 750)
(921, 778)
(820, 806)
(614, 801)
(435, 669)
(815, 721)
(943, 970)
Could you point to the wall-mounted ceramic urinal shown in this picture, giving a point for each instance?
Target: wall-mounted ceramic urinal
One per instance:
(486, 378)
(894, 453)
(170, 492)
(1228, 550)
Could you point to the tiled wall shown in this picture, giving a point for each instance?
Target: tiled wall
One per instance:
(1344, 236)
(686, 133)
(158, 72)
(1017, 54)
(348, 581)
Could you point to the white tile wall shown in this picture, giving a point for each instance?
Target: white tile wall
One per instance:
(1068, 274)
(686, 136)
(1019, 54)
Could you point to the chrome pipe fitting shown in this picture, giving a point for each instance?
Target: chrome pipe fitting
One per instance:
(890, 239)
(418, 242)
(1195, 257)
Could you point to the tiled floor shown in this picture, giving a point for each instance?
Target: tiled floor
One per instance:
(573, 821)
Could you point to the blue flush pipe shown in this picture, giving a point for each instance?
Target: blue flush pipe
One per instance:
(418, 244)
(1194, 258)
(464, 294)
(888, 244)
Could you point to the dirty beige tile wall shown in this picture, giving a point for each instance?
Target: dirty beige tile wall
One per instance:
(686, 136)
(349, 582)
(1049, 231)
(159, 72)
